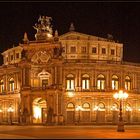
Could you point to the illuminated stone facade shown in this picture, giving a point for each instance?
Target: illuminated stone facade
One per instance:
(67, 79)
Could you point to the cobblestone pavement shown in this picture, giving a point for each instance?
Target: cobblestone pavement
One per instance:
(69, 132)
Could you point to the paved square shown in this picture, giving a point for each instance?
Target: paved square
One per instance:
(69, 132)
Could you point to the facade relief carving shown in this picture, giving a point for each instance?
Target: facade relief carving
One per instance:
(40, 57)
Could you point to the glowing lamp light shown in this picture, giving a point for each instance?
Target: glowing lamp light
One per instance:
(120, 95)
(128, 108)
(10, 109)
(114, 108)
(78, 108)
(96, 108)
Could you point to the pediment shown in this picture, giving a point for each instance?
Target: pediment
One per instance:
(79, 36)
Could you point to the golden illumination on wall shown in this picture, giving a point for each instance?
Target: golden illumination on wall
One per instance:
(70, 94)
(37, 112)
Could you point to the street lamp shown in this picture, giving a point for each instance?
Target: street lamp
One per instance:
(10, 110)
(120, 96)
(79, 108)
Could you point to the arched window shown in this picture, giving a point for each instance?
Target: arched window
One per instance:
(101, 82)
(45, 78)
(70, 107)
(115, 107)
(1, 86)
(11, 84)
(85, 81)
(115, 82)
(101, 106)
(127, 83)
(86, 106)
(70, 82)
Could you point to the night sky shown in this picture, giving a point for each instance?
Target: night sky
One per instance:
(121, 19)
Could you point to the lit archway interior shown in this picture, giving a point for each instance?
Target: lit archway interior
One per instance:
(39, 110)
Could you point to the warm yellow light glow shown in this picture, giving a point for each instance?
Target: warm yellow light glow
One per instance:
(71, 94)
(128, 108)
(49, 35)
(37, 112)
(114, 108)
(70, 84)
(120, 95)
(97, 108)
(78, 108)
(115, 95)
(10, 109)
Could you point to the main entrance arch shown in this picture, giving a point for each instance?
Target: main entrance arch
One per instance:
(39, 110)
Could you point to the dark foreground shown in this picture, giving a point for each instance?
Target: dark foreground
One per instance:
(68, 132)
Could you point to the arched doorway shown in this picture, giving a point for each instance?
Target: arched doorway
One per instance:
(39, 110)
(100, 113)
(70, 113)
(86, 112)
(115, 113)
(128, 113)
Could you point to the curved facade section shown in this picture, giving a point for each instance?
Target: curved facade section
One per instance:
(67, 79)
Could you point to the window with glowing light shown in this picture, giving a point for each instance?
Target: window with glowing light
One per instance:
(1, 86)
(127, 83)
(11, 84)
(86, 106)
(101, 107)
(114, 107)
(70, 82)
(85, 82)
(70, 106)
(101, 82)
(115, 82)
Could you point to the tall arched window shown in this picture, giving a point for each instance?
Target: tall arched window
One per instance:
(85, 81)
(1, 86)
(127, 83)
(70, 82)
(101, 82)
(115, 82)
(11, 84)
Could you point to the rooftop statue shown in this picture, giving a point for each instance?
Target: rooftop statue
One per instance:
(44, 28)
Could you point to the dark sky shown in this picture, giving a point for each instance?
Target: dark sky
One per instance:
(121, 19)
